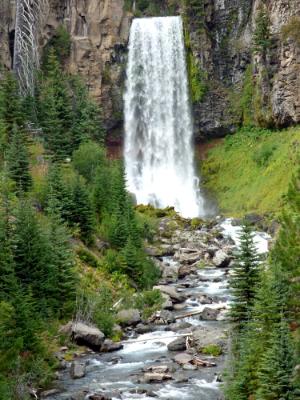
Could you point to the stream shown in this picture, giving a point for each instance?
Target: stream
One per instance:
(123, 374)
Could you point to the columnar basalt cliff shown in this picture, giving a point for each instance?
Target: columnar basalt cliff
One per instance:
(243, 56)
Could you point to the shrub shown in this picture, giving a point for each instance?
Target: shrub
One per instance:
(148, 302)
(212, 350)
(292, 30)
(264, 154)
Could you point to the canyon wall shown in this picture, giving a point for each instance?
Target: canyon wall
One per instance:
(234, 83)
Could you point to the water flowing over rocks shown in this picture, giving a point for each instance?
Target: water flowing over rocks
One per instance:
(167, 355)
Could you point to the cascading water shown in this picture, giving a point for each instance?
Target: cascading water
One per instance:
(158, 125)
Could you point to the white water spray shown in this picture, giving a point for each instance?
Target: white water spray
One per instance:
(158, 125)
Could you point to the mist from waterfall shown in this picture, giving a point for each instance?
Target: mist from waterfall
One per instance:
(159, 155)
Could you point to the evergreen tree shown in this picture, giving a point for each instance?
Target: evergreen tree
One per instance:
(286, 252)
(56, 109)
(245, 278)
(62, 279)
(31, 253)
(102, 191)
(83, 213)
(18, 161)
(275, 373)
(11, 107)
(87, 116)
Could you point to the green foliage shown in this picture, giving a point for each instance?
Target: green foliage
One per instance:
(148, 302)
(264, 154)
(60, 43)
(212, 350)
(18, 161)
(245, 278)
(88, 158)
(261, 36)
(292, 30)
(241, 185)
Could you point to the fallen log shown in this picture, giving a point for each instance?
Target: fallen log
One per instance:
(202, 363)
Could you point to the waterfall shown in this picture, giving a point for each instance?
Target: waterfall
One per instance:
(159, 156)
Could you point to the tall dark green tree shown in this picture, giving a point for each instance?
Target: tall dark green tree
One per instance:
(17, 158)
(275, 373)
(56, 112)
(245, 278)
(83, 212)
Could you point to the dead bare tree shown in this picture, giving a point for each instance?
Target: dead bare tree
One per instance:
(29, 19)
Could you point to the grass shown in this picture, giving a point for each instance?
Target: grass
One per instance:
(249, 172)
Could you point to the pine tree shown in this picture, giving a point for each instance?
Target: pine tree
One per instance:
(18, 161)
(31, 253)
(286, 252)
(133, 260)
(56, 112)
(11, 107)
(276, 369)
(62, 279)
(245, 278)
(83, 213)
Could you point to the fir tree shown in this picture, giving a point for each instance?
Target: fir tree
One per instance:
(245, 278)
(275, 373)
(83, 213)
(18, 161)
(31, 252)
(62, 279)
(56, 109)
(11, 107)
(286, 252)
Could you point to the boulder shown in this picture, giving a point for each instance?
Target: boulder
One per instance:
(108, 346)
(130, 317)
(142, 328)
(77, 370)
(172, 292)
(99, 396)
(183, 271)
(48, 393)
(167, 303)
(178, 326)
(150, 377)
(210, 314)
(183, 358)
(84, 334)
(221, 259)
(178, 344)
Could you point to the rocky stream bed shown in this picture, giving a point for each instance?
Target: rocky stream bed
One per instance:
(166, 357)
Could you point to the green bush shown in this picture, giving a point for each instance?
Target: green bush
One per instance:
(292, 30)
(212, 350)
(264, 154)
(148, 302)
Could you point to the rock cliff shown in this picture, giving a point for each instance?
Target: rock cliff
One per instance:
(243, 55)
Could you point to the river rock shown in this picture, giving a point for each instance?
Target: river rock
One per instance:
(178, 326)
(209, 314)
(130, 317)
(183, 358)
(171, 291)
(178, 344)
(142, 328)
(221, 259)
(167, 304)
(108, 346)
(84, 334)
(150, 377)
(183, 271)
(99, 396)
(77, 370)
(48, 393)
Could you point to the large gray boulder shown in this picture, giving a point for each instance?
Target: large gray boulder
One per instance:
(183, 358)
(221, 259)
(87, 335)
(130, 317)
(77, 370)
(210, 314)
(178, 344)
(171, 291)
